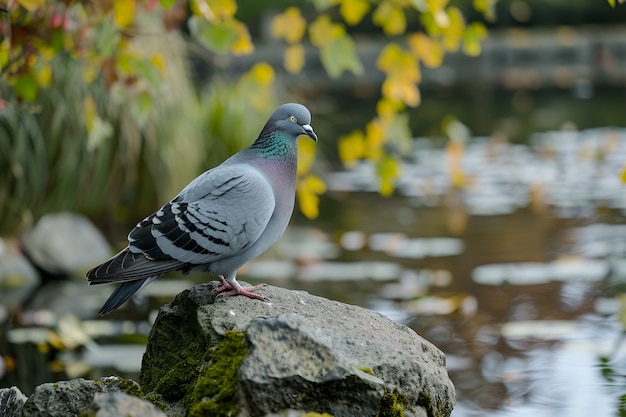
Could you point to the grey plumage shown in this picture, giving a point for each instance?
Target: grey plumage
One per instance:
(225, 217)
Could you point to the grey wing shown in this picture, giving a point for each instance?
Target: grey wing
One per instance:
(236, 205)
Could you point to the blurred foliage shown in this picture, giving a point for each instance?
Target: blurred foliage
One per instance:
(98, 113)
(444, 30)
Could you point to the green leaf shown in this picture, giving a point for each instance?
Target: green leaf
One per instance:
(166, 4)
(611, 3)
(26, 87)
(217, 36)
(340, 55)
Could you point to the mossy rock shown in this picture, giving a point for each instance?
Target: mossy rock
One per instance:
(247, 358)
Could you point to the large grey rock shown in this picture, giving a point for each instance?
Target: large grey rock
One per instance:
(116, 404)
(70, 398)
(64, 242)
(297, 352)
(11, 402)
(17, 276)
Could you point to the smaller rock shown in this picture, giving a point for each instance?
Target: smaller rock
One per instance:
(70, 398)
(11, 402)
(115, 404)
(63, 243)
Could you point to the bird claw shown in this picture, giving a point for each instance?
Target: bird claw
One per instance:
(226, 289)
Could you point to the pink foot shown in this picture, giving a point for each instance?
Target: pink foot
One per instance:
(228, 289)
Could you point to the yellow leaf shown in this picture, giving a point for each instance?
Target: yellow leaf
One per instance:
(424, 48)
(387, 108)
(390, 18)
(4, 53)
(243, 45)
(351, 148)
(436, 5)
(261, 73)
(388, 170)
(289, 25)
(89, 108)
(123, 12)
(42, 73)
(294, 58)
(223, 9)
(323, 31)
(158, 60)
(487, 8)
(623, 174)
(474, 34)
(454, 153)
(396, 88)
(308, 190)
(353, 11)
(453, 33)
(31, 5)
(375, 139)
(306, 156)
(393, 60)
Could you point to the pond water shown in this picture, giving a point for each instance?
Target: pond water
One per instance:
(518, 276)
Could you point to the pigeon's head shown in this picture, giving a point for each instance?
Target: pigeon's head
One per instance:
(293, 118)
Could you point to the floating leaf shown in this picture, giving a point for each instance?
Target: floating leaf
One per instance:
(340, 55)
(391, 18)
(323, 31)
(353, 11)
(289, 25)
(623, 175)
(123, 12)
(351, 148)
(294, 58)
(424, 48)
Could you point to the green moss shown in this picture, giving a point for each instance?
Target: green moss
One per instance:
(393, 404)
(367, 370)
(215, 391)
(314, 414)
(156, 400)
(131, 387)
(179, 378)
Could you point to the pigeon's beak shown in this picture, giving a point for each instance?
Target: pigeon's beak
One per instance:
(308, 130)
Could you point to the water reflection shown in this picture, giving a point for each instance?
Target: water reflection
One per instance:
(518, 278)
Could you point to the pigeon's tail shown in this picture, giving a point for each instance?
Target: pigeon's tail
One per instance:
(133, 270)
(129, 266)
(123, 293)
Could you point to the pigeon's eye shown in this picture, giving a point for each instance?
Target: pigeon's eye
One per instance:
(293, 119)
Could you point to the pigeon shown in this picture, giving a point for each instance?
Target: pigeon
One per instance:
(227, 216)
